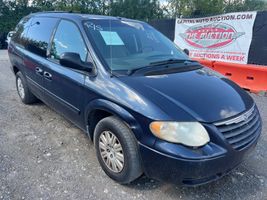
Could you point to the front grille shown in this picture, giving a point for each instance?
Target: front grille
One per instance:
(242, 130)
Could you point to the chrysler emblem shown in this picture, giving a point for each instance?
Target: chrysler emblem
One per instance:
(246, 116)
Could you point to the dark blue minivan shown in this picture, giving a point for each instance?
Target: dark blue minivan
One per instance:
(145, 104)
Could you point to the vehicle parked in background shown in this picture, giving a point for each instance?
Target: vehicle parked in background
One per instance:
(8, 37)
(145, 104)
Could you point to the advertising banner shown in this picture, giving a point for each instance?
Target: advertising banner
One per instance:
(224, 38)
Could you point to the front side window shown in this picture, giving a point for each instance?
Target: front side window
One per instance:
(126, 44)
(68, 39)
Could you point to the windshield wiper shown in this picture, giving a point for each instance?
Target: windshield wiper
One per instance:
(152, 65)
(170, 61)
(132, 71)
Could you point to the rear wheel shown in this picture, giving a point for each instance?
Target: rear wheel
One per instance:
(24, 92)
(117, 150)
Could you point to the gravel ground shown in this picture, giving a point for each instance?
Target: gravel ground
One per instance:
(43, 156)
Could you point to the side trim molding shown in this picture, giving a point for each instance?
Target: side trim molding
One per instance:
(55, 97)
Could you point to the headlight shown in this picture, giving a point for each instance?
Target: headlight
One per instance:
(188, 133)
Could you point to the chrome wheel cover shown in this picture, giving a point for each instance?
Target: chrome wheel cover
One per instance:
(20, 88)
(111, 151)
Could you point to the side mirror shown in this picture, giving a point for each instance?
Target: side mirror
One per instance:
(186, 51)
(73, 60)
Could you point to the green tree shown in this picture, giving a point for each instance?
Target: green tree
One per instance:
(190, 8)
(136, 9)
(82, 6)
(196, 8)
(10, 14)
(43, 5)
(245, 5)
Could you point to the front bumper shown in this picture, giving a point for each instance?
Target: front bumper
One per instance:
(188, 171)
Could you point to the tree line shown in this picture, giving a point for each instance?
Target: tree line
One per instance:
(11, 11)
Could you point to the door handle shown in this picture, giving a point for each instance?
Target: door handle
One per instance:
(38, 70)
(48, 76)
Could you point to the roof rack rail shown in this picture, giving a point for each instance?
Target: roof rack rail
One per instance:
(58, 11)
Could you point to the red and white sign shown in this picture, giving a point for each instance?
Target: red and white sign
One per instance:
(224, 38)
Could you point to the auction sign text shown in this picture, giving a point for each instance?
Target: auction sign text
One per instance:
(224, 38)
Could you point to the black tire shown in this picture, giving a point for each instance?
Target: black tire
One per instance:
(28, 97)
(132, 168)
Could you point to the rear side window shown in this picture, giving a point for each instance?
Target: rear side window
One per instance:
(39, 34)
(68, 39)
(19, 37)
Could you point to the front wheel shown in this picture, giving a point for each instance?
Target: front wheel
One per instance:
(117, 150)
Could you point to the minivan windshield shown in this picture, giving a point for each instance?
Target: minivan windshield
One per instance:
(128, 44)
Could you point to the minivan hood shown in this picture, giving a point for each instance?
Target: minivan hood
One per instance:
(203, 94)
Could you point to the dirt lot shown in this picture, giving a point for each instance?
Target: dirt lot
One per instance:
(43, 156)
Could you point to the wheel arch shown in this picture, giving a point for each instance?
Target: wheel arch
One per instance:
(101, 108)
(15, 69)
